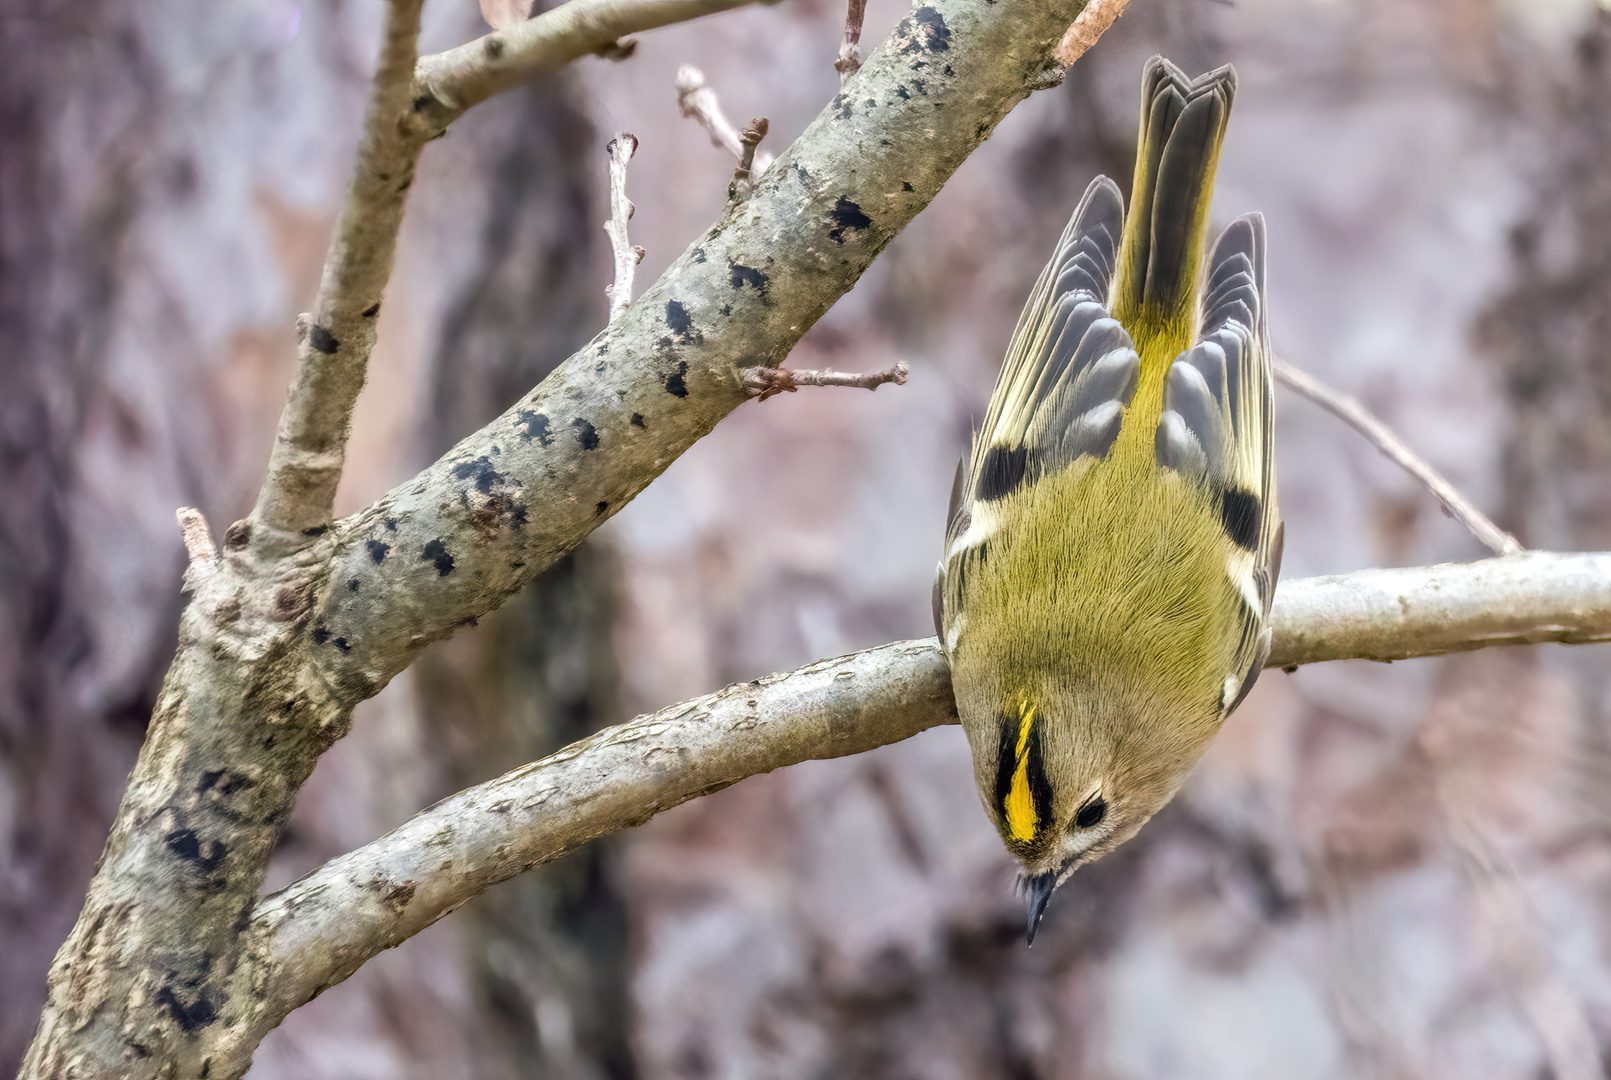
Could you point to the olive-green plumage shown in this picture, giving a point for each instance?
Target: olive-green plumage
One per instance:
(1113, 541)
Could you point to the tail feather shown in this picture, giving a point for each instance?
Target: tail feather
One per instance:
(1182, 127)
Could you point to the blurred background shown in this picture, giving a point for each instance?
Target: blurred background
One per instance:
(1378, 871)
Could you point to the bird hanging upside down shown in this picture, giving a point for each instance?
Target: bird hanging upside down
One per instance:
(1113, 542)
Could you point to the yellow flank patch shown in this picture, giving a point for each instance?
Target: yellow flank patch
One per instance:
(1022, 821)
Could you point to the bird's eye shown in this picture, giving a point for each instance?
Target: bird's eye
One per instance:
(1092, 813)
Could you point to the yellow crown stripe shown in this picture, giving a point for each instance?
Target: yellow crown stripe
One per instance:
(1019, 806)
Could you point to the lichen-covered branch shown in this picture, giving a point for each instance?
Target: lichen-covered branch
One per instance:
(449, 545)
(338, 336)
(320, 929)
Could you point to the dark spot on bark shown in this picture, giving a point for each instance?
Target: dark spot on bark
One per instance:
(422, 103)
(378, 550)
(198, 1014)
(341, 643)
(186, 845)
(921, 87)
(600, 508)
(397, 896)
(739, 275)
(238, 535)
(699, 255)
(317, 530)
(372, 310)
(320, 634)
(928, 34)
(206, 1069)
(222, 781)
(682, 324)
(845, 216)
(676, 382)
(946, 71)
(586, 434)
(436, 553)
(534, 425)
(841, 107)
(900, 92)
(804, 174)
(352, 584)
(637, 419)
(480, 472)
(493, 47)
(322, 340)
(905, 186)
(871, 103)
(138, 1049)
(391, 524)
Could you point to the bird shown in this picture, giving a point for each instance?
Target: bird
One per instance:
(1113, 543)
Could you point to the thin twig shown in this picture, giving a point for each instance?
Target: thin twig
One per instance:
(318, 931)
(198, 537)
(333, 353)
(627, 257)
(1091, 23)
(849, 61)
(743, 175)
(764, 382)
(1357, 416)
(464, 76)
(697, 101)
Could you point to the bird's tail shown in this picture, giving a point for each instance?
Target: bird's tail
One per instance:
(1182, 127)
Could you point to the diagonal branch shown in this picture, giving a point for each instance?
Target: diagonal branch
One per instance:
(320, 929)
(1361, 420)
(452, 543)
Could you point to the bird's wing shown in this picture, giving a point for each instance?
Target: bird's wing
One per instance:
(1217, 428)
(1069, 373)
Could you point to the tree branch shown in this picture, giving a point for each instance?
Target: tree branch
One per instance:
(336, 339)
(621, 149)
(1361, 420)
(697, 101)
(450, 544)
(320, 929)
(473, 72)
(1091, 24)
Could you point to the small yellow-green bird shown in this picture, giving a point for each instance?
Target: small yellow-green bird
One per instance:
(1113, 542)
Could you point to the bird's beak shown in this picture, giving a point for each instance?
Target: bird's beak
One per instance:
(1037, 891)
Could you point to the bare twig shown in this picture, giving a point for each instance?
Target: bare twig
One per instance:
(319, 930)
(310, 445)
(198, 537)
(1092, 22)
(763, 382)
(627, 257)
(849, 61)
(1350, 410)
(464, 76)
(740, 187)
(697, 101)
